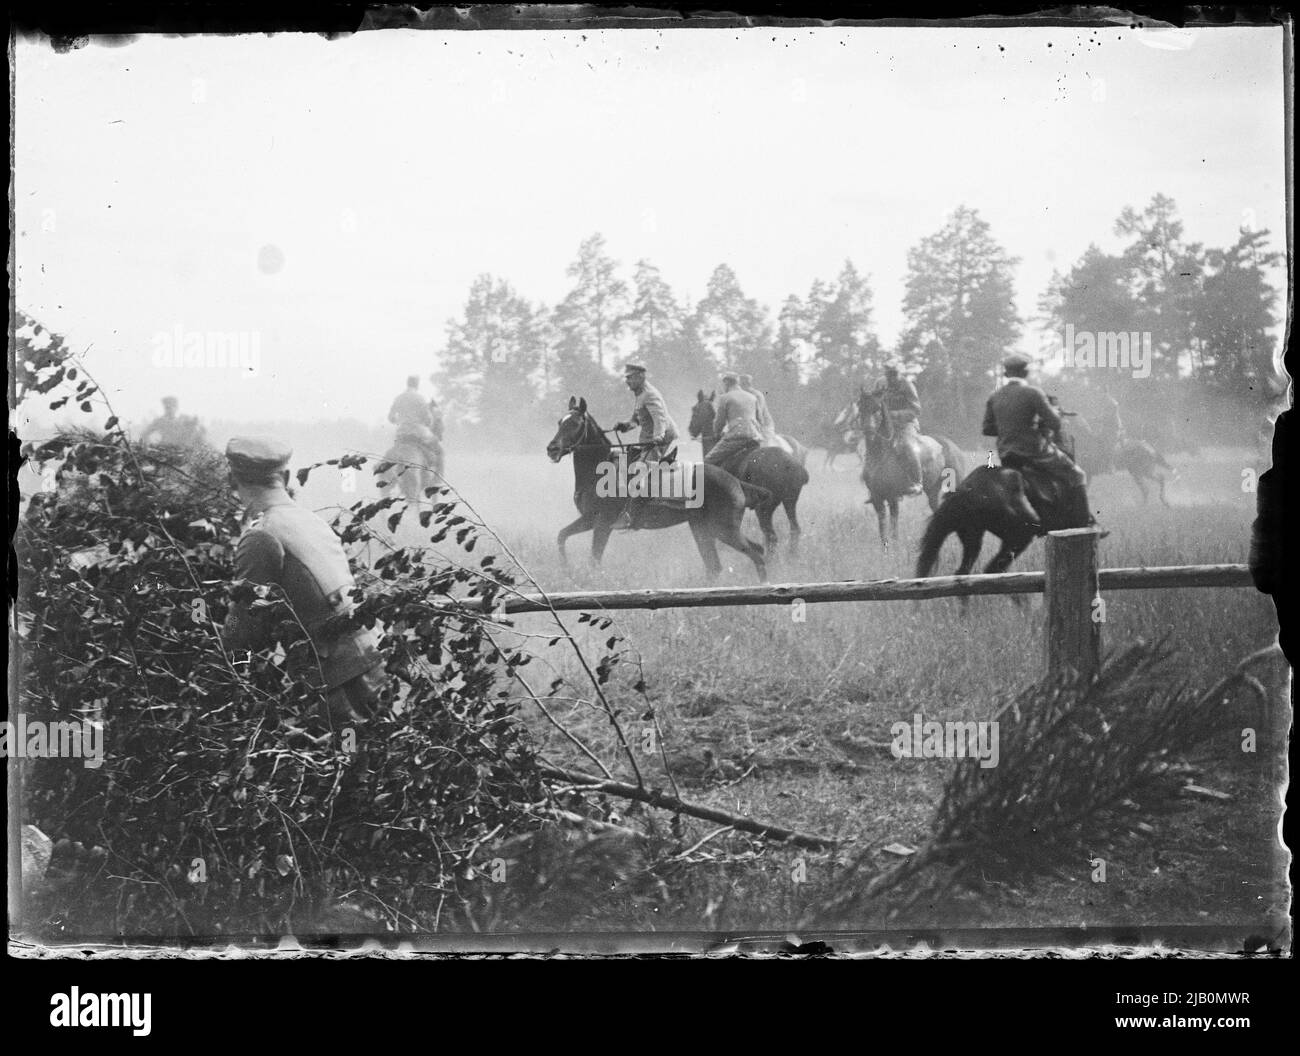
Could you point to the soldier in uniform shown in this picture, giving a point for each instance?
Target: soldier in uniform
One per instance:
(288, 546)
(172, 429)
(414, 419)
(735, 425)
(898, 397)
(1019, 415)
(658, 430)
(766, 424)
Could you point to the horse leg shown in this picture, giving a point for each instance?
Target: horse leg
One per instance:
(880, 523)
(971, 541)
(1008, 552)
(708, 549)
(1141, 487)
(582, 524)
(1161, 481)
(893, 519)
(600, 533)
(732, 535)
(793, 517)
(765, 512)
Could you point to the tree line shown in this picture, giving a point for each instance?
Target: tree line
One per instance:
(507, 361)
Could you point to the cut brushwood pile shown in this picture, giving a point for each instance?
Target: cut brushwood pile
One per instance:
(1084, 764)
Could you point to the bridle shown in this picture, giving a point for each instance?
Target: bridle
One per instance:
(591, 427)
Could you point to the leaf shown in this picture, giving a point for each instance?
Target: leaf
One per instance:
(283, 864)
(111, 423)
(303, 474)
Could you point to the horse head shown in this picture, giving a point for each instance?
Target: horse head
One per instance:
(873, 422)
(702, 415)
(576, 428)
(1008, 489)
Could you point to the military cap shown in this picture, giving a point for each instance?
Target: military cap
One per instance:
(729, 376)
(1015, 364)
(257, 456)
(634, 368)
(746, 379)
(895, 364)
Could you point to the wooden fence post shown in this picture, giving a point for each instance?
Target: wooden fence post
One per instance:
(1073, 627)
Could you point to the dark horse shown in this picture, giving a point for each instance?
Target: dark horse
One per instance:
(1111, 450)
(717, 518)
(778, 473)
(942, 463)
(992, 499)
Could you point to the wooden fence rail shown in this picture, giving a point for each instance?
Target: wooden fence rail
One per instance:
(1072, 583)
(865, 590)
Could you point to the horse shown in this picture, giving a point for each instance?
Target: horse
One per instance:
(840, 437)
(718, 517)
(1112, 451)
(406, 464)
(781, 474)
(703, 414)
(942, 462)
(992, 499)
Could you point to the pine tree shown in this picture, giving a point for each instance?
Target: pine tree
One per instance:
(493, 356)
(589, 323)
(1234, 317)
(961, 316)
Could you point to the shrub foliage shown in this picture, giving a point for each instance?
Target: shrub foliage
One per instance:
(222, 803)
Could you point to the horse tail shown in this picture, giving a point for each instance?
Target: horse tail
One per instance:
(943, 522)
(754, 495)
(953, 459)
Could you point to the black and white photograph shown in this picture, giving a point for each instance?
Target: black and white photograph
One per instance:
(694, 485)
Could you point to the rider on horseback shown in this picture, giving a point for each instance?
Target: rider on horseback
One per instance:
(658, 431)
(898, 397)
(415, 420)
(735, 425)
(1021, 418)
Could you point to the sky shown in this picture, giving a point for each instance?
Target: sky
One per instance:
(312, 212)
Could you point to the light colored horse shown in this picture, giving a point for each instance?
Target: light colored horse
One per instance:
(886, 436)
(410, 470)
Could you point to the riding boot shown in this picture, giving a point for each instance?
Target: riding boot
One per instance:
(912, 465)
(1080, 509)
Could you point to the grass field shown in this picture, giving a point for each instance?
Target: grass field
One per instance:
(788, 721)
(795, 714)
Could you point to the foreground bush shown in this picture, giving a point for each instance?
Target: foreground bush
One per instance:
(223, 806)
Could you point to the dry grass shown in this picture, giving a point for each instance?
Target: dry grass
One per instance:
(801, 710)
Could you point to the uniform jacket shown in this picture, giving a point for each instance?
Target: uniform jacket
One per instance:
(1016, 415)
(763, 415)
(899, 395)
(410, 408)
(650, 412)
(737, 415)
(287, 545)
